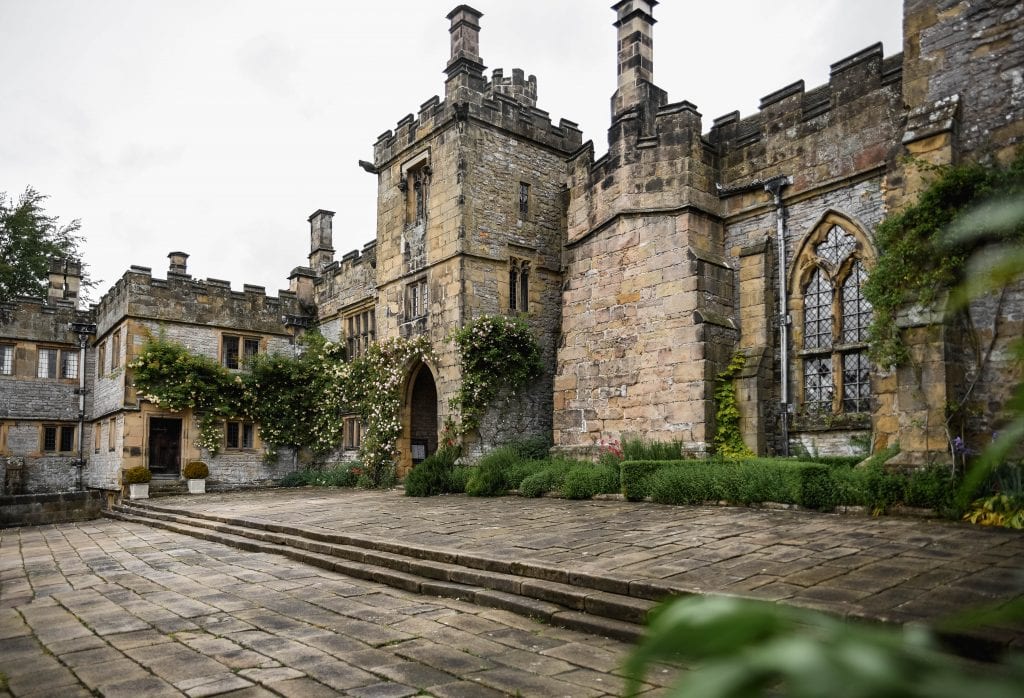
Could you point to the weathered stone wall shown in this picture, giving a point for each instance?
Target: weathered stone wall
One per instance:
(976, 50)
(44, 509)
(29, 403)
(478, 145)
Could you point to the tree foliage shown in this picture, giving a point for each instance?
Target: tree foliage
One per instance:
(29, 239)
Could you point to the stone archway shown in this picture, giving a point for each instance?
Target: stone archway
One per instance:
(419, 430)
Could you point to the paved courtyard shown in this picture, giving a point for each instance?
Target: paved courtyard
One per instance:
(891, 568)
(120, 609)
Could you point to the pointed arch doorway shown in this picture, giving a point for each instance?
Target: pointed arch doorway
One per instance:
(419, 429)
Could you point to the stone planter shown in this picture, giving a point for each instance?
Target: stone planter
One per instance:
(196, 486)
(139, 490)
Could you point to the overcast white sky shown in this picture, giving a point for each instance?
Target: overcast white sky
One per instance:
(216, 127)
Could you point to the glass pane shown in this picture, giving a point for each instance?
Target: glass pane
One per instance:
(232, 435)
(6, 360)
(67, 439)
(50, 438)
(252, 348)
(856, 382)
(856, 309)
(836, 247)
(69, 364)
(818, 312)
(231, 352)
(247, 435)
(818, 384)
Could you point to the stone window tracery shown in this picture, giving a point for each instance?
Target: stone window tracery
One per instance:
(518, 285)
(834, 318)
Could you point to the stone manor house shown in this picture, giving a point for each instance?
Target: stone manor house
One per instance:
(641, 271)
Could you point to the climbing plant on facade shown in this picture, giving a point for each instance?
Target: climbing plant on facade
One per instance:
(728, 439)
(495, 353)
(917, 264)
(296, 400)
(372, 385)
(167, 374)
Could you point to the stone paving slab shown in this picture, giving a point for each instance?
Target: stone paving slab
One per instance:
(122, 609)
(885, 568)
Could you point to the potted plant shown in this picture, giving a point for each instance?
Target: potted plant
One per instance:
(137, 479)
(196, 473)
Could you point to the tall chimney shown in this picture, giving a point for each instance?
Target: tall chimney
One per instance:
(321, 243)
(465, 38)
(635, 24)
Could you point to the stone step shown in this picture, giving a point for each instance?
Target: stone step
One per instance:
(578, 607)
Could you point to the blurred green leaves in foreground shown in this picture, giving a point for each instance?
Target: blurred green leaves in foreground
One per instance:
(740, 647)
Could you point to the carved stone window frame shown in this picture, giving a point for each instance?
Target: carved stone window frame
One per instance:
(836, 269)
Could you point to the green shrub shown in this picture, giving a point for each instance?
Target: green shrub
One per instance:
(546, 480)
(459, 476)
(195, 470)
(681, 485)
(585, 480)
(432, 476)
(339, 475)
(635, 475)
(640, 449)
(494, 473)
(933, 488)
(296, 478)
(138, 475)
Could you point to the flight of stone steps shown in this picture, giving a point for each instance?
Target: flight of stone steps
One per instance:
(591, 603)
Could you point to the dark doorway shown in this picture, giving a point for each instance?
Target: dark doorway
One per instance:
(165, 446)
(423, 426)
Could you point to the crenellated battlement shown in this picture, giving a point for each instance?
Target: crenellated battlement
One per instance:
(180, 298)
(851, 79)
(508, 103)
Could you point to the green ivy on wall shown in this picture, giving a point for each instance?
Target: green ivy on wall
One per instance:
(728, 440)
(917, 263)
(297, 401)
(495, 352)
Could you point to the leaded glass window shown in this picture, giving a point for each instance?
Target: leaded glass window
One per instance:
(818, 385)
(856, 310)
(856, 382)
(818, 312)
(835, 322)
(837, 246)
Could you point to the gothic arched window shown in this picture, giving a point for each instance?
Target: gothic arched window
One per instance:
(835, 315)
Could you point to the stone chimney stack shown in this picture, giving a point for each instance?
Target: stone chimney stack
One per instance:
(465, 67)
(321, 240)
(65, 280)
(635, 24)
(179, 263)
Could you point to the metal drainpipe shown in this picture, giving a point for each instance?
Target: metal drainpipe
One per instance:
(774, 187)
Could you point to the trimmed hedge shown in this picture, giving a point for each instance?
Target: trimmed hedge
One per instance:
(583, 481)
(813, 485)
